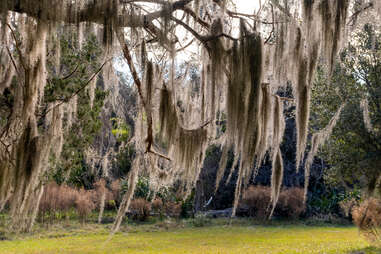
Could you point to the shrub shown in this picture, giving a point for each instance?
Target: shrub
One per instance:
(67, 196)
(100, 189)
(115, 190)
(157, 206)
(187, 206)
(367, 217)
(140, 209)
(85, 203)
(255, 201)
(47, 203)
(290, 203)
(173, 209)
(142, 189)
(111, 204)
(347, 206)
(56, 198)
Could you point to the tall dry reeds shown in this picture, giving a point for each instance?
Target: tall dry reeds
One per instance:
(56, 198)
(104, 197)
(85, 203)
(59, 200)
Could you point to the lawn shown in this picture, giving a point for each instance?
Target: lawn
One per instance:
(186, 239)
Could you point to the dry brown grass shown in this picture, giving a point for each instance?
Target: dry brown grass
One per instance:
(367, 217)
(58, 200)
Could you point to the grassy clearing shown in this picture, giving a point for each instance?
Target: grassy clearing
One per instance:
(171, 237)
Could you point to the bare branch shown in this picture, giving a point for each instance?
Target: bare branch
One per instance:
(158, 154)
(17, 45)
(199, 37)
(184, 47)
(13, 61)
(72, 73)
(354, 16)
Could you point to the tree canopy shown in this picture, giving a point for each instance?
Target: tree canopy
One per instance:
(353, 149)
(243, 60)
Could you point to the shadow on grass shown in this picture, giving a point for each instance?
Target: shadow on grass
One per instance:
(367, 250)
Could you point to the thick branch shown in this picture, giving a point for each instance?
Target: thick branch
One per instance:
(158, 154)
(68, 12)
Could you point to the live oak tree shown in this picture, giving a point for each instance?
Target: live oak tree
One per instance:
(244, 60)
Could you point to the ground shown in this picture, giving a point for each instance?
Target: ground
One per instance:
(183, 237)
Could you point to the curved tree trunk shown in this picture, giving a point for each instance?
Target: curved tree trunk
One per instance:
(102, 206)
(123, 208)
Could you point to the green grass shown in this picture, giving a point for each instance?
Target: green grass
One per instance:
(179, 238)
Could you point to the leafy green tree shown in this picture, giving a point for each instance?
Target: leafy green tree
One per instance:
(123, 162)
(121, 130)
(354, 149)
(84, 63)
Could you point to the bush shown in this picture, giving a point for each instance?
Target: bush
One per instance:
(140, 209)
(142, 189)
(349, 201)
(256, 199)
(347, 206)
(67, 196)
(173, 209)
(100, 189)
(85, 203)
(56, 198)
(116, 188)
(48, 202)
(367, 217)
(290, 203)
(158, 206)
